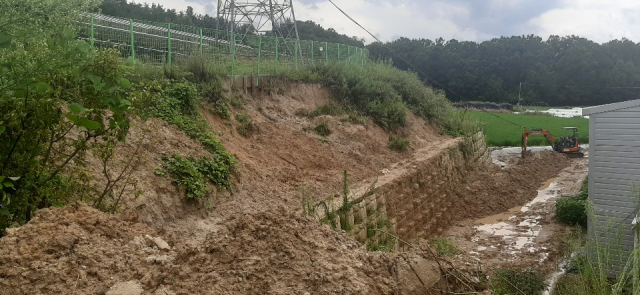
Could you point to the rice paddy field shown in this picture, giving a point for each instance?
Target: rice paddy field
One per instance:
(500, 132)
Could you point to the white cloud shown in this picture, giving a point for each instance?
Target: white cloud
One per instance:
(474, 20)
(599, 21)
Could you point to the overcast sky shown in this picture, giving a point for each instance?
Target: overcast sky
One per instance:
(473, 20)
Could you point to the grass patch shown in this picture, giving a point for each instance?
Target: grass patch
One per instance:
(444, 246)
(516, 281)
(501, 133)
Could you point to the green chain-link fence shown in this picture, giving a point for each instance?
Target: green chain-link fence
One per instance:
(255, 55)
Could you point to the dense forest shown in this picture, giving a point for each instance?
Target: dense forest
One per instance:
(561, 71)
(308, 30)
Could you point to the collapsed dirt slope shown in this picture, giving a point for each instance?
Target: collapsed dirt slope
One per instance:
(78, 250)
(82, 251)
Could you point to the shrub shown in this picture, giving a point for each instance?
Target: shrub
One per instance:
(194, 173)
(246, 125)
(398, 143)
(573, 210)
(516, 281)
(183, 95)
(322, 129)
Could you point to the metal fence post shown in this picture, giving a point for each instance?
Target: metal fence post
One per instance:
(348, 53)
(92, 34)
(133, 45)
(201, 41)
(169, 45)
(312, 52)
(296, 46)
(233, 57)
(338, 51)
(276, 55)
(259, 58)
(326, 53)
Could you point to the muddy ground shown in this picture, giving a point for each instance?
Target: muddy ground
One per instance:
(253, 238)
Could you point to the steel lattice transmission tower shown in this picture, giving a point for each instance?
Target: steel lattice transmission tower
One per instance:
(272, 17)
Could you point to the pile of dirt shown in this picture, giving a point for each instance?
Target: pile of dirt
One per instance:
(495, 190)
(79, 250)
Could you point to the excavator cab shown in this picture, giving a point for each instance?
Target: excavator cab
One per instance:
(566, 145)
(567, 142)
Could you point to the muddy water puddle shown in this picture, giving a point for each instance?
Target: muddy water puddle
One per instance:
(516, 231)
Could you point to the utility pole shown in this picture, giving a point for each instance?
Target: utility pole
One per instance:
(519, 92)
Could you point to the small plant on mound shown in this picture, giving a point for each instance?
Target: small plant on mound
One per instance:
(517, 281)
(330, 109)
(322, 129)
(194, 174)
(444, 246)
(246, 125)
(573, 210)
(398, 143)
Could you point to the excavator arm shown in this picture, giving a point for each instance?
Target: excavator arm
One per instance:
(528, 132)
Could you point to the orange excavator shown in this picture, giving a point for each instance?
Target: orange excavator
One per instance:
(566, 145)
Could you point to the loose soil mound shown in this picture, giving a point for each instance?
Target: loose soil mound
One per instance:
(495, 190)
(78, 250)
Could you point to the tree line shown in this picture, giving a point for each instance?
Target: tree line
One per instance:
(308, 30)
(559, 71)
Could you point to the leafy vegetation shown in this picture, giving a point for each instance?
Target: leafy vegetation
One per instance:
(61, 101)
(398, 143)
(501, 133)
(516, 281)
(573, 210)
(246, 125)
(559, 71)
(194, 174)
(322, 129)
(58, 100)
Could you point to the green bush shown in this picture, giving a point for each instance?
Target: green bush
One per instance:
(246, 125)
(516, 281)
(194, 173)
(573, 210)
(322, 129)
(398, 143)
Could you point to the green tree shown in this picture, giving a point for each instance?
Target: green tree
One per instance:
(57, 99)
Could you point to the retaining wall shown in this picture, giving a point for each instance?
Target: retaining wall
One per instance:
(417, 201)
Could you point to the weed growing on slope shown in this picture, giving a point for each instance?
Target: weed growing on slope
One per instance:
(398, 143)
(322, 129)
(444, 246)
(194, 174)
(246, 126)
